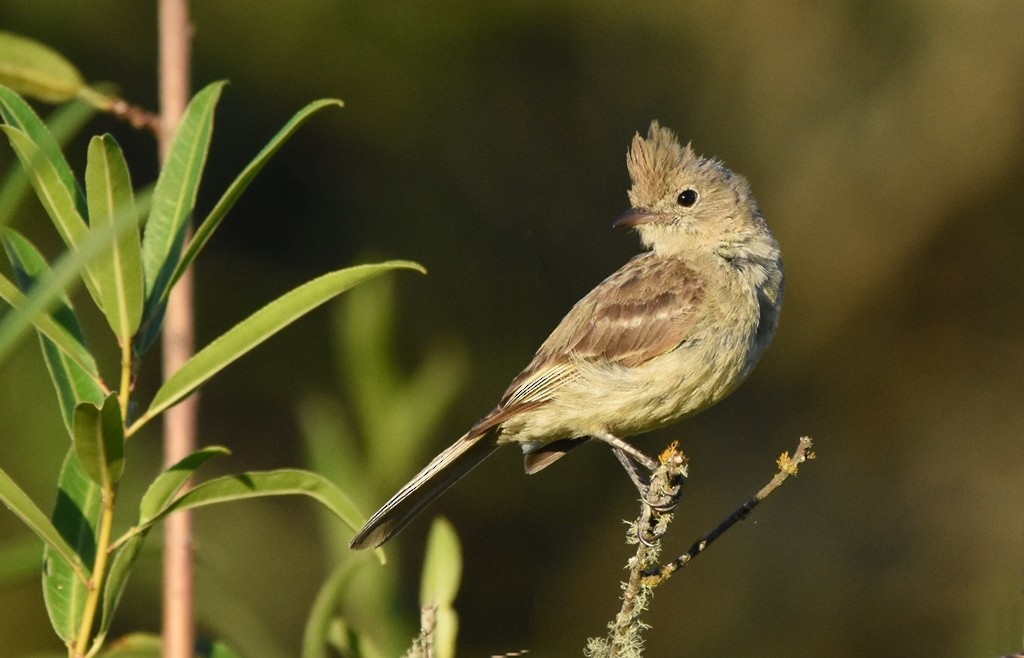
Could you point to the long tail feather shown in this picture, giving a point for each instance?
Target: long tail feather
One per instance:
(442, 472)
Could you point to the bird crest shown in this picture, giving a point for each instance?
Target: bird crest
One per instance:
(654, 164)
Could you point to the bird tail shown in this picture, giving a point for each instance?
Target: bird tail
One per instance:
(442, 472)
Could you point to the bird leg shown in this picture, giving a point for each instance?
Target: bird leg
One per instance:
(643, 485)
(636, 474)
(633, 453)
(632, 460)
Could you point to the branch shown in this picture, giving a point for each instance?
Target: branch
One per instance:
(625, 639)
(138, 117)
(656, 512)
(787, 466)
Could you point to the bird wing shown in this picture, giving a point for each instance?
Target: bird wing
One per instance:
(643, 310)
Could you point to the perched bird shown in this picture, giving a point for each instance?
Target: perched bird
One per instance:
(672, 332)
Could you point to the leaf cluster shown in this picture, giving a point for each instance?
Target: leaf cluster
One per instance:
(128, 259)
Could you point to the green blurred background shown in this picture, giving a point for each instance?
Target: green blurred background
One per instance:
(487, 141)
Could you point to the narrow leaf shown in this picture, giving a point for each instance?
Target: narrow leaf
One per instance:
(166, 485)
(37, 70)
(111, 202)
(256, 484)
(57, 199)
(240, 184)
(117, 578)
(19, 114)
(16, 500)
(75, 516)
(99, 440)
(175, 194)
(149, 330)
(64, 123)
(72, 383)
(258, 327)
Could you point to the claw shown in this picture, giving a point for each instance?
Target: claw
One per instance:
(661, 509)
(643, 540)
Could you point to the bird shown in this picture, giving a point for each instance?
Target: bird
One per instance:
(670, 333)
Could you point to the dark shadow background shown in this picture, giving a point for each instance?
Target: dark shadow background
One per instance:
(884, 143)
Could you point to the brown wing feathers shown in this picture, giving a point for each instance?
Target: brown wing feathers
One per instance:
(621, 321)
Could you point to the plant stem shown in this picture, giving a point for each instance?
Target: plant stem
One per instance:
(177, 341)
(99, 570)
(124, 392)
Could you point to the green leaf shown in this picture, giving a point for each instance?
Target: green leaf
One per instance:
(16, 500)
(241, 183)
(99, 440)
(442, 565)
(64, 123)
(254, 484)
(75, 516)
(50, 290)
(166, 485)
(258, 484)
(117, 578)
(37, 70)
(72, 383)
(175, 195)
(19, 114)
(111, 202)
(71, 366)
(57, 200)
(258, 327)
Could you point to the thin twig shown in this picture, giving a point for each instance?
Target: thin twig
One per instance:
(138, 117)
(177, 341)
(625, 639)
(787, 466)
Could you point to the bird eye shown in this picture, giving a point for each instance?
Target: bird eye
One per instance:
(687, 197)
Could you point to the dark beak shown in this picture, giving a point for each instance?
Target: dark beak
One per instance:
(635, 217)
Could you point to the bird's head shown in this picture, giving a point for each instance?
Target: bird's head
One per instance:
(684, 204)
